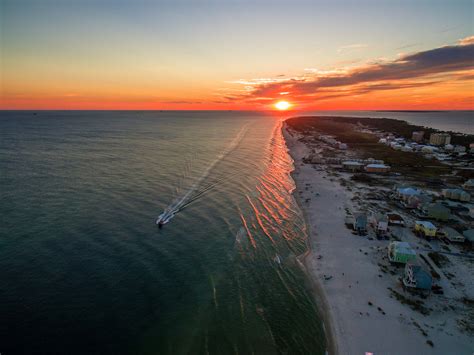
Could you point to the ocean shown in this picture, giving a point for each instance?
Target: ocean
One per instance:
(84, 269)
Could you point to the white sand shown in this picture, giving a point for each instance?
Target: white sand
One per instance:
(355, 327)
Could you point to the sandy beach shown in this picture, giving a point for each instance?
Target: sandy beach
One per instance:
(360, 313)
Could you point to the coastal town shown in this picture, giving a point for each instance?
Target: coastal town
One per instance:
(391, 221)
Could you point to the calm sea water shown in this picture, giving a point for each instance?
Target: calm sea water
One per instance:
(85, 270)
(456, 121)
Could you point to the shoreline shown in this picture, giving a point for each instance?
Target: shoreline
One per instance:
(316, 285)
(355, 298)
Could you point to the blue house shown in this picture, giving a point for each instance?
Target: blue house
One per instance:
(360, 222)
(416, 277)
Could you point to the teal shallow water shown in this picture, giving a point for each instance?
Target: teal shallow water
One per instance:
(84, 268)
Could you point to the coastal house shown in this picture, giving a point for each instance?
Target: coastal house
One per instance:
(449, 147)
(437, 211)
(400, 252)
(416, 201)
(457, 194)
(443, 157)
(377, 168)
(416, 277)
(469, 184)
(379, 222)
(459, 149)
(396, 219)
(395, 145)
(349, 221)
(417, 136)
(352, 166)
(404, 193)
(452, 235)
(464, 196)
(313, 159)
(372, 161)
(469, 235)
(425, 228)
(428, 149)
(360, 222)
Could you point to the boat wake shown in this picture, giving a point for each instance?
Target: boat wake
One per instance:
(197, 189)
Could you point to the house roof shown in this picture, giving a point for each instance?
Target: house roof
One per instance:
(379, 217)
(354, 163)
(459, 191)
(426, 224)
(377, 166)
(421, 198)
(394, 217)
(469, 234)
(451, 231)
(403, 247)
(422, 277)
(408, 191)
(438, 207)
(469, 182)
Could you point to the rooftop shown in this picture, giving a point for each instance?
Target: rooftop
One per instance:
(426, 224)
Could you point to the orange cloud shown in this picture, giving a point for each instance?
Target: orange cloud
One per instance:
(411, 75)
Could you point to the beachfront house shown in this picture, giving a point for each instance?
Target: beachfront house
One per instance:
(395, 219)
(417, 136)
(379, 222)
(395, 145)
(416, 201)
(459, 149)
(360, 222)
(352, 166)
(400, 252)
(469, 184)
(416, 277)
(452, 235)
(425, 228)
(377, 168)
(404, 193)
(457, 194)
(313, 159)
(426, 149)
(437, 211)
(469, 235)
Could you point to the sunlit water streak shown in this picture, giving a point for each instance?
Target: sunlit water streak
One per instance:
(84, 269)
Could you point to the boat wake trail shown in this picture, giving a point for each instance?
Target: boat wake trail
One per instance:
(197, 189)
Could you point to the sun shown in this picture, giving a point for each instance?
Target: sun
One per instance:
(282, 105)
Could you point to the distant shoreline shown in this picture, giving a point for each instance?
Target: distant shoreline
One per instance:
(413, 111)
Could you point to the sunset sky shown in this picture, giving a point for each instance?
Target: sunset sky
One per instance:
(71, 54)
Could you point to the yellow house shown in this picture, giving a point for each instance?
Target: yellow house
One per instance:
(426, 228)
